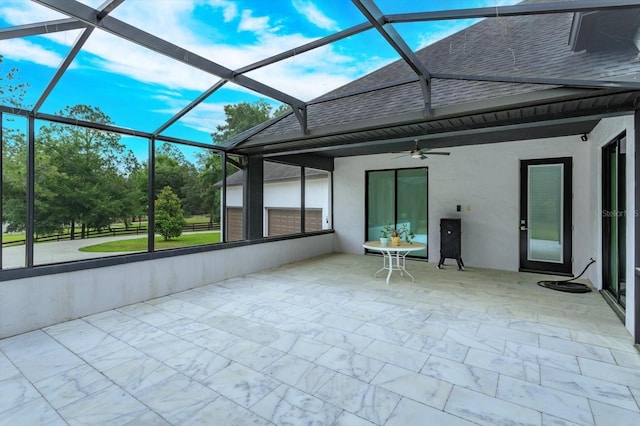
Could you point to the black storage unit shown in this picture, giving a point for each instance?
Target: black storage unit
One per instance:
(451, 241)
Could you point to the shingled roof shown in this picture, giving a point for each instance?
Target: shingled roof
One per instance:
(388, 104)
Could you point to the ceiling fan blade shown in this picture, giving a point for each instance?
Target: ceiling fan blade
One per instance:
(438, 153)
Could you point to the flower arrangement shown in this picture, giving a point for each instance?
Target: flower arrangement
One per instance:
(393, 232)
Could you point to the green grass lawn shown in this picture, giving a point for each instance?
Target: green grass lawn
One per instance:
(140, 244)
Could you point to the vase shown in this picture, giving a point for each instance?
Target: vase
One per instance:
(384, 242)
(395, 241)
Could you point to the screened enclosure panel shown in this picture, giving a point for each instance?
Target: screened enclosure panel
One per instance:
(14, 195)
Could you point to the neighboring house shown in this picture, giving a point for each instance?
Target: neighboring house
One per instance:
(282, 201)
(539, 115)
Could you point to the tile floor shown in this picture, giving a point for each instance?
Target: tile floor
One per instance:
(323, 342)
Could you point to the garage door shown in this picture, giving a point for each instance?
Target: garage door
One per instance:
(287, 221)
(234, 223)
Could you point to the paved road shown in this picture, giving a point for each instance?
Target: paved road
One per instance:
(57, 251)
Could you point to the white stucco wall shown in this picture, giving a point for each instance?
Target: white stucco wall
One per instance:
(484, 180)
(31, 303)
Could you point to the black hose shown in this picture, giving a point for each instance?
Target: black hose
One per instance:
(569, 286)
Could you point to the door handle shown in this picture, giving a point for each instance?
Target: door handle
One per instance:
(523, 228)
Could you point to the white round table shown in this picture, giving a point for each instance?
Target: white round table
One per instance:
(390, 252)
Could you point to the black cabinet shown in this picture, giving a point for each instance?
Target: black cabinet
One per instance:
(451, 241)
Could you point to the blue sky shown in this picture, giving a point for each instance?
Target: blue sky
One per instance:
(140, 89)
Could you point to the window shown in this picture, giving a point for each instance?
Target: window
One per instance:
(398, 197)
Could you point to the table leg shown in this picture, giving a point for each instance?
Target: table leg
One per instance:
(388, 253)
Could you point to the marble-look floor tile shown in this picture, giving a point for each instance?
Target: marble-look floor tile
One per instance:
(412, 413)
(32, 412)
(198, 363)
(138, 374)
(626, 359)
(251, 354)
(609, 415)
(466, 376)
(149, 418)
(184, 326)
(396, 355)
(299, 373)
(111, 358)
(350, 364)
(138, 333)
(182, 308)
(542, 356)
(111, 321)
(301, 347)
(149, 314)
(343, 339)
(545, 399)
(264, 334)
(289, 406)
(7, 369)
(385, 334)
(543, 329)
(241, 384)
(484, 410)
(416, 386)
(441, 348)
(165, 346)
(610, 373)
(509, 334)
(110, 406)
(362, 399)
(349, 419)
(549, 420)
(79, 336)
(422, 328)
(177, 398)
(212, 339)
(72, 385)
(340, 322)
(15, 392)
(622, 343)
(594, 389)
(473, 340)
(514, 367)
(583, 350)
(223, 411)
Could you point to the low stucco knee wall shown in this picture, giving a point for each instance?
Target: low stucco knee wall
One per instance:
(31, 303)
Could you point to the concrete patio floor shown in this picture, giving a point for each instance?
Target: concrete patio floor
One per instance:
(323, 342)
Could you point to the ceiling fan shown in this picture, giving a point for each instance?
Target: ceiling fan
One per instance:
(421, 153)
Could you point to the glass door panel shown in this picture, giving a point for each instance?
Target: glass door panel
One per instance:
(412, 205)
(381, 202)
(545, 213)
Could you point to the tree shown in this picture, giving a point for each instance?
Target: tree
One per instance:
(169, 219)
(12, 90)
(238, 118)
(243, 116)
(82, 175)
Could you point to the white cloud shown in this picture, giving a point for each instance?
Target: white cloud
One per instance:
(250, 23)
(315, 15)
(20, 12)
(304, 76)
(23, 50)
(229, 9)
